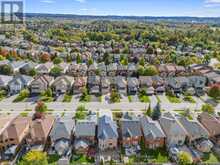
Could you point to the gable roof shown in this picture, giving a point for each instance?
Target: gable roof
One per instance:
(151, 129)
(4, 80)
(23, 79)
(130, 128)
(44, 79)
(65, 79)
(107, 128)
(5, 121)
(85, 128)
(193, 128)
(63, 128)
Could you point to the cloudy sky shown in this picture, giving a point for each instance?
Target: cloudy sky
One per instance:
(201, 8)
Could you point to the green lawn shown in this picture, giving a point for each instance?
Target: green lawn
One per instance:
(52, 159)
(67, 98)
(24, 114)
(46, 99)
(189, 99)
(144, 99)
(87, 98)
(173, 99)
(210, 159)
(130, 98)
(81, 159)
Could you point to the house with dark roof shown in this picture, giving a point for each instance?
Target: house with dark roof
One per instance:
(85, 136)
(122, 70)
(102, 69)
(133, 85)
(132, 69)
(154, 136)
(130, 130)
(61, 136)
(18, 83)
(79, 84)
(92, 70)
(44, 68)
(105, 85)
(107, 133)
(94, 83)
(112, 69)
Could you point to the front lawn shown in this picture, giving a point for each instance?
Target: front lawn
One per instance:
(86, 98)
(130, 99)
(53, 159)
(189, 99)
(144, 99)
(22, 96)
(173, 99)
(24, 114)
(81, 159)
(67, 98)
(46, 99)
(210, 159)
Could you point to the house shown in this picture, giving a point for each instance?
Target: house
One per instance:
(180, 70)
(44, 68)
(177, 84)
(73, 70)
(121, 84)
(62, 84)
(64, 66)
(174, 131)
(4, 80)
(130, 130)
(13, 137)
(16, 65)
(5, 121)
(27, 67)
(105, 85)
(133, 85)
(132, 69)
(39, 132)
(102, 69)
(79, 84)
(154, 136)
(158, 84)
(146, 83)
(197, 135)
(200, 69)
(61, 136)
(85, 136)
(122, 70)
(212, 77)
(107, 133)
(198, 83)
(170, 70)
(112, 69)
(18, 83)
(212, 125)
(40, 84)
(93, 69)
(82, 70)
(94, 84)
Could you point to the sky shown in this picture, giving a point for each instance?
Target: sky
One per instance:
(199, 8)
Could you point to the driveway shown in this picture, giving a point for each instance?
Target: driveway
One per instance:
(153, 101)
(134, 99)
(33, 99)
(10, 99)
(163, 99)
(60, 98)
(124, 99)
(76, 98)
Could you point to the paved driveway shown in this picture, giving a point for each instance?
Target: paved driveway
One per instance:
(163, 99)
(124, 99)
(10, 99)
(60, 98)
(134, 98)
(153, 101)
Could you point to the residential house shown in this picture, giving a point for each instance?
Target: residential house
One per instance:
(82, 70)
(64, 66)
(200, 69)
(212, 125)
(40, 84)
(121, 84)
(212, 77)
(132, 69)
(197, 135)
(107, 133)
(61, 136)
(122, 70)
(44, 68)
(18, 83)
(146, 83)
(130, 130)
(13, 137)
(112, 69)
(79, 84)
(102, 69)
(94, 84)
(93, 69)
(154, 136)
(133, 85)
(73, 70)
(27, 67)
(180, 70)
(174, 131)
(177, 84)
(105, 85)
(198, 83)
(4, 80)
(158, 84)
(39, 132)
(62, 84)
(16, 65)
(85, 138)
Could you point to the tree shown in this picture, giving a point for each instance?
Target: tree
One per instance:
(142, 61)
(140, 70)
(90, 61)
(57, 60)
(157, 112)
(214, 92)
(45, 57)
(35, 158)
(78, 59)
(40, 109)
(184, 158)
(47, 93)
(80, 112)
(85, 95)
(208, 108)
(32, 72)
(114, 97)
(151, 71)
(56, 71)
(149, 111)
(6, 70)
